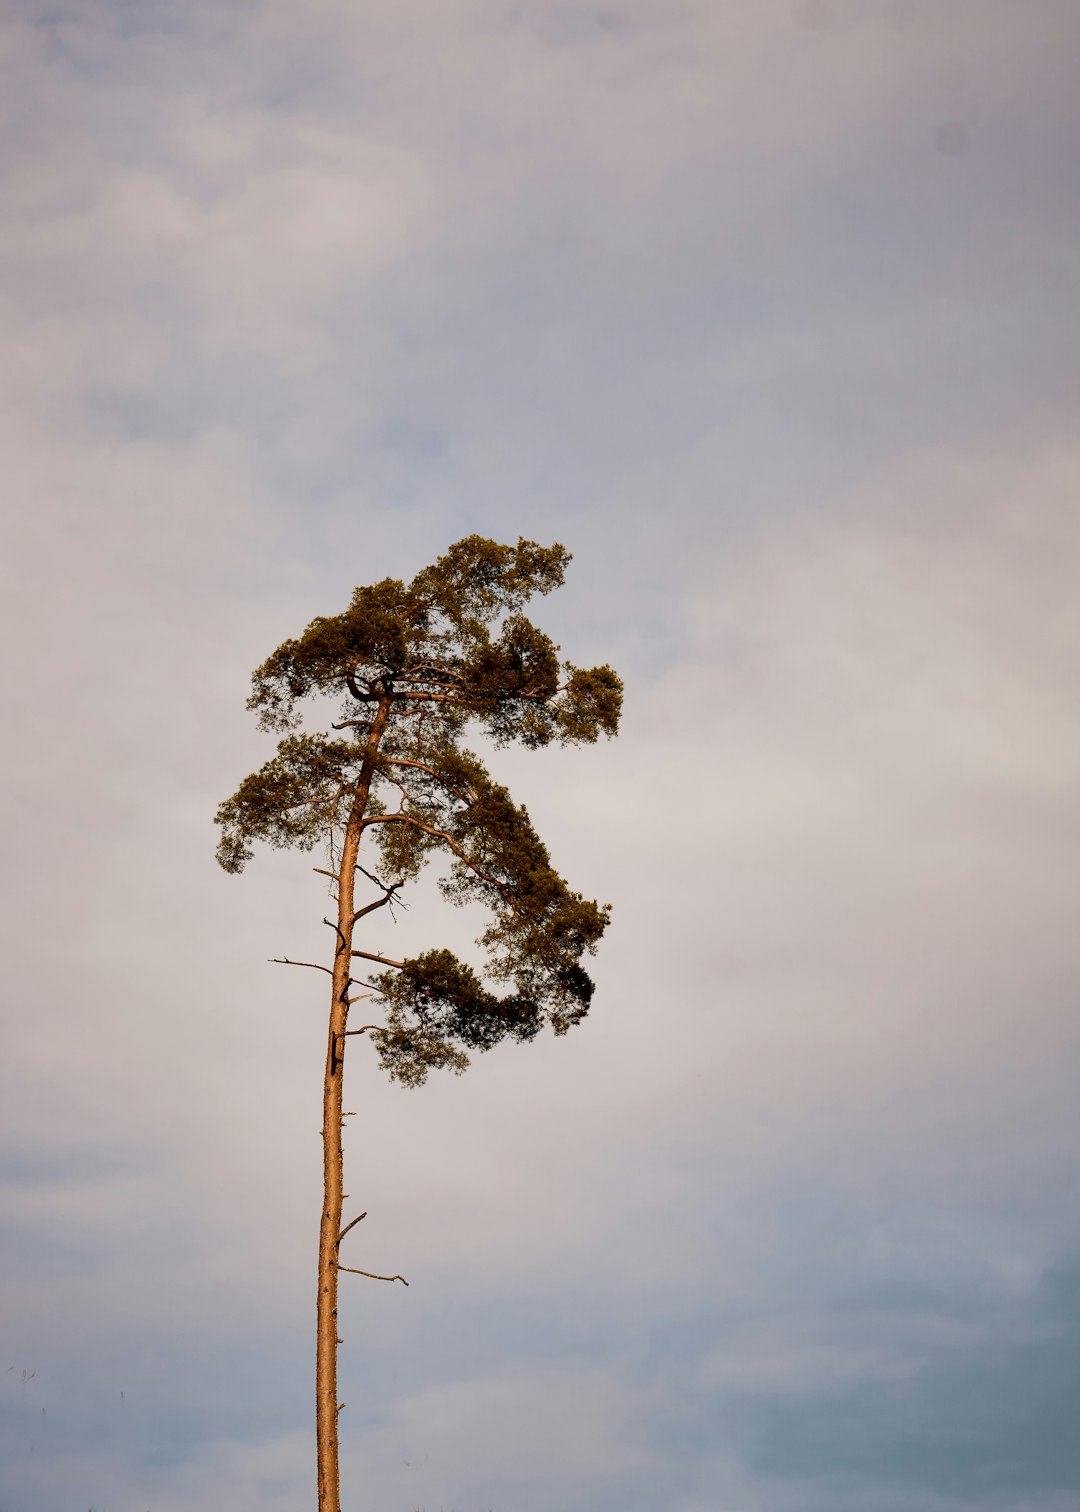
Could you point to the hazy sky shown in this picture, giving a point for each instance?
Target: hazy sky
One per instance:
(769, 312)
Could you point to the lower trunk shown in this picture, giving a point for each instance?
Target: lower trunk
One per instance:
(326, 1402)
(326, 1334)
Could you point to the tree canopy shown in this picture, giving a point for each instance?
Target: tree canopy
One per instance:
(415, 666)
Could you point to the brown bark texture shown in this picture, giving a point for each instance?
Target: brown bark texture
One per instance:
(326, 1334)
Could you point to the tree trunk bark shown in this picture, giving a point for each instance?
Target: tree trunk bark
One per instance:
(326, 1337)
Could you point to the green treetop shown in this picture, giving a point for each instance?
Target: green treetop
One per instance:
(414, 664)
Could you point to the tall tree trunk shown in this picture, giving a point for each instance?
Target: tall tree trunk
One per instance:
(326, 1342)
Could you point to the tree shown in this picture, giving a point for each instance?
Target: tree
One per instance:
(416, 665)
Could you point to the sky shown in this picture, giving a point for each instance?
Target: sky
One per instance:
(767, 312)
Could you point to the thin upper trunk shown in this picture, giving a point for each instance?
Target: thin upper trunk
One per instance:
(326, 1402)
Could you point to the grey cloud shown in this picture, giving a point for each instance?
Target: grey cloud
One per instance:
(298, 295)
(991, 1423)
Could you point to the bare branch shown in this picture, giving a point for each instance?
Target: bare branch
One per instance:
(284, 961)
(371, 907)
(372, 991)
(388, 894)
(323, 873)
(382, 960)
(341, 937)
(386, 886)
(348, 1226)
(374, 1277)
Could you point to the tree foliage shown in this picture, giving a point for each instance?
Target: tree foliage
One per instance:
(414, 667)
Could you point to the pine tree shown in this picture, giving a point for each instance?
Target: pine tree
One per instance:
(416, 665)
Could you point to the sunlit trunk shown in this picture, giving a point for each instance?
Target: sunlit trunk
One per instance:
(326, 1402)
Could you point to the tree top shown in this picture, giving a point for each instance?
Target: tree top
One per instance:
(414, 664)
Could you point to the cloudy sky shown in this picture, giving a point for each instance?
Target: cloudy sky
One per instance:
(768, 311)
